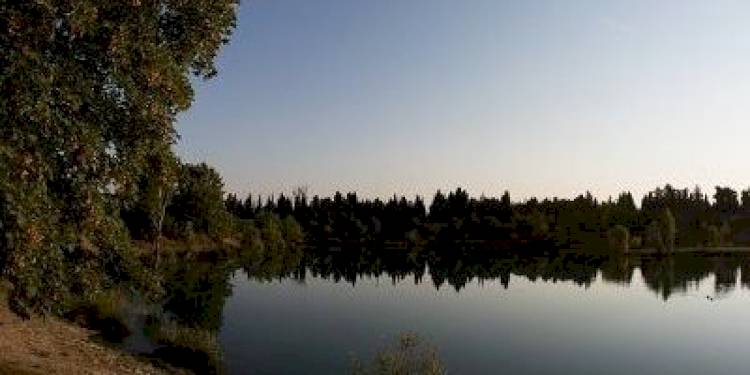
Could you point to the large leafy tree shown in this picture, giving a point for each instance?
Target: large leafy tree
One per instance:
(89, 89)
(198, 201)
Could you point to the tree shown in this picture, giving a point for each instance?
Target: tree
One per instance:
(667, 230)
(745, 200)
(144, 215)
(96, 86)
(145, 211)
(198, 201)
(619, 238)
(726, 201)
(410, 355)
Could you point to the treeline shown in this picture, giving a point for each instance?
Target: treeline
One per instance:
(191, 208)
(667, 218)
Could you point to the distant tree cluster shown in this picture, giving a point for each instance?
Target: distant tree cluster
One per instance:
(667, 218)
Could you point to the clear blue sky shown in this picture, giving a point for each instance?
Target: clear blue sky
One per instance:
(538, 97)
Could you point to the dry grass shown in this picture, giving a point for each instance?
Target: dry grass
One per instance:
(202, 346)
(193, 338)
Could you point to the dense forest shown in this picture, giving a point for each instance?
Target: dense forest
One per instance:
(666, 218)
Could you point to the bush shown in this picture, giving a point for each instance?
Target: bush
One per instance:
(409, 355)
(106, 312)
(194, 348)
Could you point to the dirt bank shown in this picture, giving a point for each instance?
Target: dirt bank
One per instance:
(51, 346)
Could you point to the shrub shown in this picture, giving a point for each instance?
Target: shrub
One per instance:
(106, 312)
(194, 348)
(409, 355)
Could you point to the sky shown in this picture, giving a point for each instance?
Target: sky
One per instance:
(541, 98)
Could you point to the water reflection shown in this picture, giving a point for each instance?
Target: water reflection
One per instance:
(198, 296)
(664, 275)
(196, 291)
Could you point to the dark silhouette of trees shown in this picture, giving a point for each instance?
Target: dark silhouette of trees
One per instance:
(667, 218)
(726, 203)
(456, 266)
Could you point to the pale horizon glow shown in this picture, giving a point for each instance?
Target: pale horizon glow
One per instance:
(540, 98)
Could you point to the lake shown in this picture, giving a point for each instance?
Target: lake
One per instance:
(517, 315)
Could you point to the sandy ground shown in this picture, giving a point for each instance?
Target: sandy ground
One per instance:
(50, 346)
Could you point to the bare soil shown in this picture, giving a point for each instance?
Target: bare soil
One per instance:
(50, 346)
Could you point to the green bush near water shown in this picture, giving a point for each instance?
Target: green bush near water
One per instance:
(188, 347)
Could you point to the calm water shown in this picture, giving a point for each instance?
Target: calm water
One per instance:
(543, 315)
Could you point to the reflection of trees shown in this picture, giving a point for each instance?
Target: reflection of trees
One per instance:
(725, 269)
(454, 267)
(273, 263)
(457, 267)
(618, 269)
(196, 292)
(667, 275)
(745, 271)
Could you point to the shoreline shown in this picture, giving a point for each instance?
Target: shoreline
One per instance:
(49, 345)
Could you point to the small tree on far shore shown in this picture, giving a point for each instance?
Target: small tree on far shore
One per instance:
(619, 238)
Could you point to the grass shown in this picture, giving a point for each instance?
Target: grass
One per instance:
(194, 348)
(171, 333)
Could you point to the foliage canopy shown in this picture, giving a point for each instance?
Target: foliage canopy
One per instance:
(91, 91)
